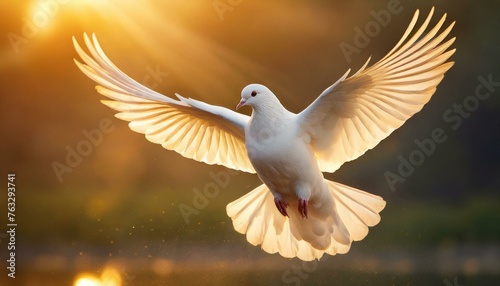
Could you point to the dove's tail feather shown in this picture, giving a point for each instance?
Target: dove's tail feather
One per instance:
(330, 227)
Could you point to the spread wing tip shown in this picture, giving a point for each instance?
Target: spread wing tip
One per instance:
(354, 115)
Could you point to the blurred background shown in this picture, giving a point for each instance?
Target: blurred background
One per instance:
(108, 210)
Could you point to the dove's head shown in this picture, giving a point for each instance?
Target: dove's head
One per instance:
(255, 95)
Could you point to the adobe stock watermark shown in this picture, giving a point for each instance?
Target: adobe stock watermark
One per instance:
(45, 11)
(297, 273)
(223, 6)
(85, 147)
(154, 77)
(209, 192)
(362, 37)
(454, 118)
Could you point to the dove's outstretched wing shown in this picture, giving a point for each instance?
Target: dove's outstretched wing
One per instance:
(194, 129)
(356, 113)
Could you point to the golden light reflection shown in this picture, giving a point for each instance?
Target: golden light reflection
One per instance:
(109, 277)
(87, 280)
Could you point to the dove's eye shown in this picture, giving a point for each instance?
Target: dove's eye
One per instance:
(254, 93)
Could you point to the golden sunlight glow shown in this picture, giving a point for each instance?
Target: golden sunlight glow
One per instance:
(109, 277)
(167, 36)
(41, 15)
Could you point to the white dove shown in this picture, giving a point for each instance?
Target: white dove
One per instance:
(296, 212)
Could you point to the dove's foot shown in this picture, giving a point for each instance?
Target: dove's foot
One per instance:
(303, 207)
(281, 206)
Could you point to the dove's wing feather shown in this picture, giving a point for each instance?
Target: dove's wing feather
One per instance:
(194, 129)
(356, 113)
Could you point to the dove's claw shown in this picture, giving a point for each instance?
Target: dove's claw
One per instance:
(303, 207)
(281, 206)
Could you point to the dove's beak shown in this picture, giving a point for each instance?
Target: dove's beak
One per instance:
(242, 102)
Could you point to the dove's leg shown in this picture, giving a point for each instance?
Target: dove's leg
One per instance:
(303, 204)
(281, 205)
(303, 192)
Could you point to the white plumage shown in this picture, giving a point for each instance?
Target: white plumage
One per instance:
(296, 212)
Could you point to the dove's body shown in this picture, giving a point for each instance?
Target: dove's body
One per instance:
(290, 151)
(287, 168)
(280, 153)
